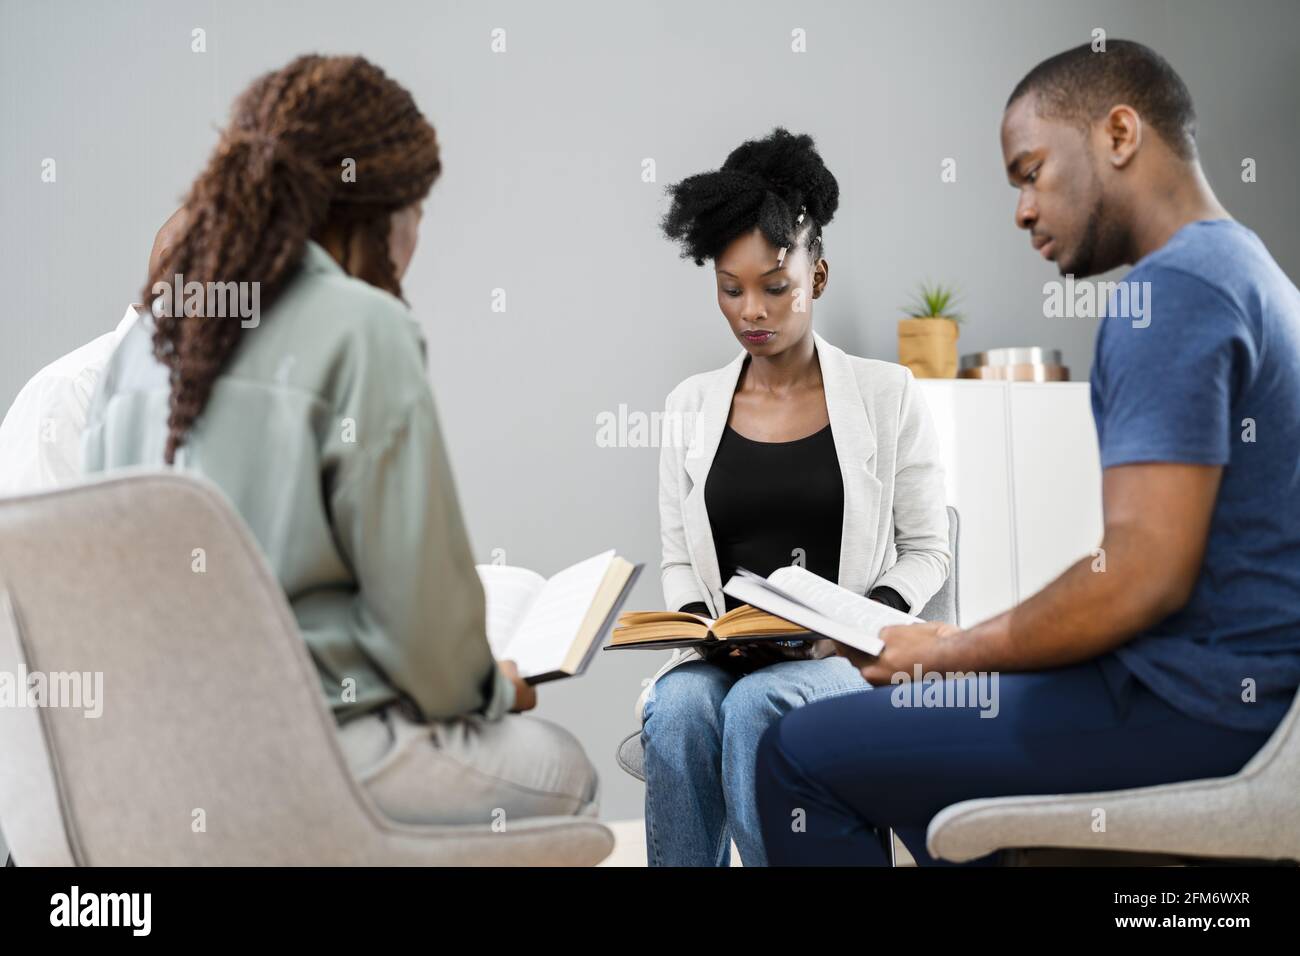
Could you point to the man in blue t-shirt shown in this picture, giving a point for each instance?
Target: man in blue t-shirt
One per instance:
(1174, 653)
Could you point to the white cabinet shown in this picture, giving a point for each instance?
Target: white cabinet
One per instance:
(973, 435)
(1023, 471)
(1055, 480)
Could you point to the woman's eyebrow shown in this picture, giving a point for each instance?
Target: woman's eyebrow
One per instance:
(724, 272)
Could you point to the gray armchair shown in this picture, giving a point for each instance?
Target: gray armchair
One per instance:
(1251, 817)
(215, 746)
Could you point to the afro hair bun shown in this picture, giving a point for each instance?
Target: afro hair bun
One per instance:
(764, 183)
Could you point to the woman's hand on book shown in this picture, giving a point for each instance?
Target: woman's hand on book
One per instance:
(906, 646)
(525, 693)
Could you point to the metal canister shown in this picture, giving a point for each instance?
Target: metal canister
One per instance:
(1017, 364)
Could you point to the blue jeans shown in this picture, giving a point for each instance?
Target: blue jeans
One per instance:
(701, 732)
(846, 769)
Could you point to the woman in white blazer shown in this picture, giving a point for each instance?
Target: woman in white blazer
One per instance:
(794, 452)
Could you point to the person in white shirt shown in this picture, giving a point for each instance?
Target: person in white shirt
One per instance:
(40, 437)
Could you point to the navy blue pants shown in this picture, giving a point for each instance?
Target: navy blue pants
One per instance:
(833, 774)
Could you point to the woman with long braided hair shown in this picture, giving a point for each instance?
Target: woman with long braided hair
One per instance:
(282, 364)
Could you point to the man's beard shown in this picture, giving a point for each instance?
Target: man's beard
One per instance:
(1085, 255)
(1101, 248)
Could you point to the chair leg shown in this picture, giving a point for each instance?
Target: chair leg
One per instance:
(887, 844)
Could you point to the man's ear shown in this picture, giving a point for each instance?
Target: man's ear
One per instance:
(1123, 130)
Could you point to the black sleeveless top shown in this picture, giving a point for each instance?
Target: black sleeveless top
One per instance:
(772, 504)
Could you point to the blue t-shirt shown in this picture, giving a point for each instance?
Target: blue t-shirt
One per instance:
(1214, 379)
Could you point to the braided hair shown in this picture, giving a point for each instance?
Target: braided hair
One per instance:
(275, 180)
(765, 183)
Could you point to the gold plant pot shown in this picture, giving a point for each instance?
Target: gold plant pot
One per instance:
(928, 347)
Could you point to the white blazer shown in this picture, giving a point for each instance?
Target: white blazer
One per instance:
(895, 527)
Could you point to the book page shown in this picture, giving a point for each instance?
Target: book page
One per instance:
(608, 596)
(762, 596)
(552, 621)
(837, 603)
(628, 618)
(747, 621)
(508, 592)
(798, 595)
(650, 626)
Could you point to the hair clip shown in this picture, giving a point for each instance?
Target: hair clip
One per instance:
(780, 256)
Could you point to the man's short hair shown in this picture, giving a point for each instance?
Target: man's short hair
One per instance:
(1081, 85)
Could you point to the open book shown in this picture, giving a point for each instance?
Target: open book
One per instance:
(659, 629)
(551, 628)
(801, 597)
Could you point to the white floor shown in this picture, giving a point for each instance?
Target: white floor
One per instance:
(629, 846)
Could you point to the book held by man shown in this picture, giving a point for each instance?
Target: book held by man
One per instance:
(552, 627)
(789, 604)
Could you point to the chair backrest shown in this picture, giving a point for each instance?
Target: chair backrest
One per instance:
(944, 605)
(214, 745)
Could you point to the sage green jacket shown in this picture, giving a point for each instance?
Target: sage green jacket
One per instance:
(322, 432)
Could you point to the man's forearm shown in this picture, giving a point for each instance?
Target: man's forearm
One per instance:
(1082, 614)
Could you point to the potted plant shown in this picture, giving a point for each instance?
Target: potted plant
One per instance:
(927, 341)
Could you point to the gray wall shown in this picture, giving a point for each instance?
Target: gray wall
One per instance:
(543, 196)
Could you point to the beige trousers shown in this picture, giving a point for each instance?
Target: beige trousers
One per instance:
(470, 770)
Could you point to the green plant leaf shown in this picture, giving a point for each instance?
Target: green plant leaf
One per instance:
(934, 301)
